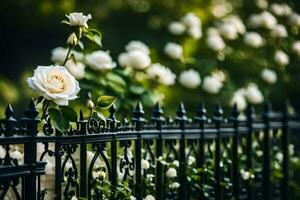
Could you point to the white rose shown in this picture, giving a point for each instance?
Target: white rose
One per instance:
(176, 28)
(255, 20)
(78, 19)
(239, 99)
(237, 22)
(54, 83)
(191, 160)
(171, 173)
(174, 185)
(281, 9)
(279, 31)
(281, 58)
(219, 75)
(162, 74)
(135, 59)
(176, 163)
(245, 175)
(149, 197)
(212, 85)
(269, 76)
(296, 48)
(77, 69)
(220, 9)
(294, 19)
(137, 45)
(253, 39)
(195, 32)
(100, 61)
(59, 54)
(190, 20)
(145, 164)
(173, 50)
(228, 31)
(268, 20)
(253, 94)
(279, 156)
(215, 42)
(190, 79)
(262, 4)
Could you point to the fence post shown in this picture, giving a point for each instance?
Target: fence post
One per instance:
(113, 149)
(138, 119)
(218, 118)
(31, 120)
(266, 153)
(83, 164)
(181, 119)
(235, 157)
(250, 118)
(158, 119)
(285, 163)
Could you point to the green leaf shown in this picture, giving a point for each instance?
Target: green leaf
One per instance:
(39, 100)
(94, 36)
(105, 101)
(111, 77)
(69, 113)
(57, 120)
(65, 22)
(81, 45)
(136, 89)
(98, 115)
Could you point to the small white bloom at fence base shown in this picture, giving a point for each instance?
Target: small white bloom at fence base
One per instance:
(176, 28)
(171, 173)
(239, 99)
(78, 19)
(99, 174)
(174, 185)
(173, 50)
(190, 79)
(145, 164)
(149, 197)
(54, 83)
(269, 76)
(191, 160)
(281, 58)
(100, 61)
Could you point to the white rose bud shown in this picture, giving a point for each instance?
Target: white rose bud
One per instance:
(135, 59)
(78, 19)
(90, 104)
(269, 76)
(239, 99)
(173, 50)
(281, 58)
(54, 83)
(176, 28)
(171, 173)
(296, 48)
(253, 39)
(77, 69)
(149, 197)
(253, 94)
(215, 42)
(72, 39)
(145, 164)
(100, 61)
(279, 31)
(161, 74)
(137, 45)
(190, 79)
(212, 85)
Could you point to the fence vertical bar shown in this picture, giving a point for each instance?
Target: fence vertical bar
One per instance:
(235, 158)
(181, 119)
(138, 120)
(83, 156)
(285, 162)
(113, 148)
(250, 118)
(158, 120)
(218, 118)
(266, 153)
(30, 154)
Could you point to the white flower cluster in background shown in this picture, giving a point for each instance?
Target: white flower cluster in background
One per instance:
(190, 79)
(189, 23)
(269, 76)
(212, 84)
(137, 56)
(231, 27)
(253, 39)
(100, 61)
(214, 41)
(173, 50)
(161, 74)
(281, 58)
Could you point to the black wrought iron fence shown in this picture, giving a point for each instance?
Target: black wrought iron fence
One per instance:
(180, 158)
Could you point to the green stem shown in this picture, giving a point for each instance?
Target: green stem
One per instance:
(68, 54)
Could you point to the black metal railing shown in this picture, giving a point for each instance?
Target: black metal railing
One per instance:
(233, 157)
